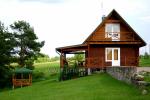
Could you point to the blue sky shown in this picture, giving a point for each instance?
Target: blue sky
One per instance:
(68, 22)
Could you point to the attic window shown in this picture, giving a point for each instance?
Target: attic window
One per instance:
(112, 31)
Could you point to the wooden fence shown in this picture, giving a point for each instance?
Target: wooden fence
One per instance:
(69, 73)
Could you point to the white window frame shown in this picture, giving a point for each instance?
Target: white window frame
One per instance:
(112, 30)
(106, 55)
(112, 53)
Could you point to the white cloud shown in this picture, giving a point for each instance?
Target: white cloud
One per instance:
(43, 1)
(66, 23)
(145, 18)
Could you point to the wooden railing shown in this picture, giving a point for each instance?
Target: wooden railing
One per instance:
(95, 62)
(21, 81)
(127, 36)
(72, 72)
(99, 62)
(114, 36)
(117, 36)
(130, 61)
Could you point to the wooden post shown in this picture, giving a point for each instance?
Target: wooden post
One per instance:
(102, 61)
(13, 81)
(61, 60)
(137, 61)
(21, 79)
(30, 79)
(138, 57)
(89, 71)
(88, 64)
(125, 60)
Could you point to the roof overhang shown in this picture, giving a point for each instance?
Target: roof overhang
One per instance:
(73, 49)
(107, 43)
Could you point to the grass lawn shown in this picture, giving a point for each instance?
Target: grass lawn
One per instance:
(49, 69)
(95, 87)
(45, 67)
(47, 64)
(144, 62)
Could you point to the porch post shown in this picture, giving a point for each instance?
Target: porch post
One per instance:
(89, 65)
(62, 63)
(89, 71)
(13, 80)
(88, 60)
(62, 59)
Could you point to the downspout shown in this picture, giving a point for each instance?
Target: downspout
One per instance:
(61, 69)
(58, 52)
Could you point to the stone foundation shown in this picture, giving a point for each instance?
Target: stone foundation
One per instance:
(122, 73)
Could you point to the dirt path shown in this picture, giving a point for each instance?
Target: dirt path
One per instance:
(143, 69)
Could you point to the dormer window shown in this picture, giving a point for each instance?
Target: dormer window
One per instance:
(112, 31)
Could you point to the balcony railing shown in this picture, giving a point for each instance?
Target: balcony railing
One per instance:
(120, 36)
(114, 36)
(95, 62)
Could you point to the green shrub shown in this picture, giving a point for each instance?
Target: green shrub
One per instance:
(147, 76)
(146, 56)
(30, 67)
(5, 77)
(42, 59)
(29, 64)
(37, 76)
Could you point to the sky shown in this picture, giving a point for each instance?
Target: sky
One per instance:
(69, 22)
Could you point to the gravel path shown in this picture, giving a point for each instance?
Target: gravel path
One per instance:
(143, 69)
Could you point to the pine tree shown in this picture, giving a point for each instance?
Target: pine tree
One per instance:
(6, 52)
(27, 45)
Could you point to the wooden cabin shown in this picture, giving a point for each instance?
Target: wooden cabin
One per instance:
(112, 43)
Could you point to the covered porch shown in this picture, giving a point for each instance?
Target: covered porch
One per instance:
(94, 59)
(83, 67)
(88, 62)
(95, 55)
(75, 49)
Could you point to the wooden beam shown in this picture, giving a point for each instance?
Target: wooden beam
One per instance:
(115, 42)
(112, 21)
(70, 50)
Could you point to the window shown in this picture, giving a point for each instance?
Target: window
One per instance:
(115, 54)
(112, 31)
(108, 54)
(112, 54)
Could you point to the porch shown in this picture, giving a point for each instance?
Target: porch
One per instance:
(93, 58)
(92, 61)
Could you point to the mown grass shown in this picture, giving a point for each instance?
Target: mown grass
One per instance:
(95, 87)
(144, 62)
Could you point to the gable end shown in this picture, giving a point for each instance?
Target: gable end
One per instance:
(113, 17)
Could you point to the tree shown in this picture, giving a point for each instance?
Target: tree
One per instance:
(79, 57)
(6, 51)
(42, 58)
(146, 56)
(27, 46)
